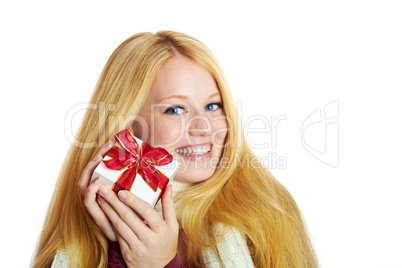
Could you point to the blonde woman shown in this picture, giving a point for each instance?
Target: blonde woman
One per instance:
(222, 211)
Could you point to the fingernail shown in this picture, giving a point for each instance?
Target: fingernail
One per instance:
(96, 158)
(101, 199)
(122, 194)
(103, 189)
(99, 180)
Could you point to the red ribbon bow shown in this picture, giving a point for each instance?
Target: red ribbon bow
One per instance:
(141, 160)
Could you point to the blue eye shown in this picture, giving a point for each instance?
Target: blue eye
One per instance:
(210, 107)
(174, 110)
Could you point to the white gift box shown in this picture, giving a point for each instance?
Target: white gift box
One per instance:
(139, 187)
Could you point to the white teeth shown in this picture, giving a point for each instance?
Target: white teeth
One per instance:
(194, 150)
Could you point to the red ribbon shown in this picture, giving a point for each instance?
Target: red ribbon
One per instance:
(141, 160)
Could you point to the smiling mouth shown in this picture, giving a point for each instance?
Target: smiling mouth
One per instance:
(194, 150)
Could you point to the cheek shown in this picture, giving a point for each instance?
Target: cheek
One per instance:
(167, 134)
(220, 131)
(141, 128)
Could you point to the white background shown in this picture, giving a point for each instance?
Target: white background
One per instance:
(285, 58)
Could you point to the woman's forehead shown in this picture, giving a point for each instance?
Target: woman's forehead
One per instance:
(182, 76)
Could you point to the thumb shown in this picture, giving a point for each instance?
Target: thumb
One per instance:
(169, 213)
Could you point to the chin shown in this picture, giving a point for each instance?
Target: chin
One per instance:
(193, 177)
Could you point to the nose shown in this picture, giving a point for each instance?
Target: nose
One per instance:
(199, 125)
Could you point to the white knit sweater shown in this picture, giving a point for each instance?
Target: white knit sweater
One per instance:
(232, 250)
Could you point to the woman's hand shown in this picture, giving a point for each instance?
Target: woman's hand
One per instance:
(89, 191)
(150, 244)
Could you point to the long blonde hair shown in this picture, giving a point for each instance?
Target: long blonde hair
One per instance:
(240, 195)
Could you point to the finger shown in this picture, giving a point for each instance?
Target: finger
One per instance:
(87, 173)
(152, 218)
(123, 245)
(168, 210)
(125, 213)
(89, 169)
(96, 212)
(120, 227)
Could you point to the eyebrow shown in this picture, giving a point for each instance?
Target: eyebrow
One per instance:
(184, 97)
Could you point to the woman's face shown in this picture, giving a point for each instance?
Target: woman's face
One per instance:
(183, 114)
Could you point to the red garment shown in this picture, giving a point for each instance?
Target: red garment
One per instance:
(115, 259)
